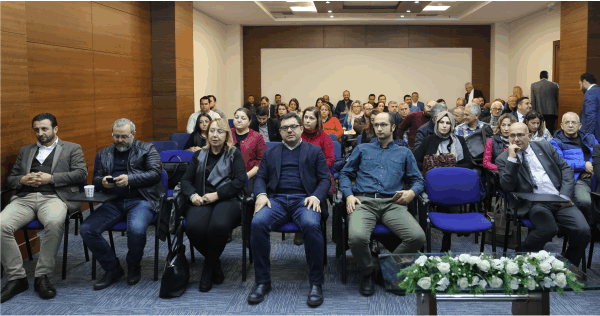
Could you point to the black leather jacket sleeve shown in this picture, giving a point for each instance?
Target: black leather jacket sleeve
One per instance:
(152, 173)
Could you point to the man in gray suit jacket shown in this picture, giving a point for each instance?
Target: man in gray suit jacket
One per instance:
(45, 175)
(536, 167)
(544, 99)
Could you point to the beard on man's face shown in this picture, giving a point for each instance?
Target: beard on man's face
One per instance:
(46, 139)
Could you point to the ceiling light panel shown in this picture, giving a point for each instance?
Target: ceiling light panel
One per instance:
(436, 8)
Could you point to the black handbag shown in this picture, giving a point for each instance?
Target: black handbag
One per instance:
(175, 170)
(476, 142)
(176, 276)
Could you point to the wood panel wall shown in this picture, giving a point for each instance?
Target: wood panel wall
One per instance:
(476, 37)
(88, 63)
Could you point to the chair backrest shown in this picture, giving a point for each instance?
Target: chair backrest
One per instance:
(271, 144)
(165, 180)
(333, 138)
(358, 140)
(180, 138)
(165, 145)
(337, 150)
(171, 155)
(452, 186)
(231, 123)
(343, 117)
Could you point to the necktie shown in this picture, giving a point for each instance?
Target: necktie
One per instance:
(528, 169)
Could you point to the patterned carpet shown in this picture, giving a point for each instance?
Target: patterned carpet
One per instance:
(290, 287)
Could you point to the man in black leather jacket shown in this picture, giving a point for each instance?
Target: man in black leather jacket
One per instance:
(131, 169)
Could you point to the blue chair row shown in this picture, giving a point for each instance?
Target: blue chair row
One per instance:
(180, 138)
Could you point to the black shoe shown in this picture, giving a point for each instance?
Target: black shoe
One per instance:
(13, 288)
(44, 288)
(217, 274)
(230, 237)
(134, 274)
(315, 296)
(110, 277)
(298, 240)
(206, 280)
(258, 293)
(367, 284)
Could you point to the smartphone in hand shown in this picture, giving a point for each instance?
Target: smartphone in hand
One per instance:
(111, 180)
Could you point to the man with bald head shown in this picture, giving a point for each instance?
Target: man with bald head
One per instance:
(577, 149)
(459, 115)
(536, 167)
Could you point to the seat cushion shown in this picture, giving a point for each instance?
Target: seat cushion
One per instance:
(288, 228)
(463, 223)
(380, 229)
(34, 224)
(169, 193)
(529, 224)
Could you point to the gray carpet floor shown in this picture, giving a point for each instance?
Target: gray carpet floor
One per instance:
(290, 286)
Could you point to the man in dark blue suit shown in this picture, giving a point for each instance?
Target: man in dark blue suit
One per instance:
(590, 111)
(292, 180)
(415, 101)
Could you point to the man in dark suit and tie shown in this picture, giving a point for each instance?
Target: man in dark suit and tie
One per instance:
(292, 182)
(472, 94)
(544, 99)
(536, 167)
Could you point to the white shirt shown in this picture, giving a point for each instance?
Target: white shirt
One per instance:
(521, 117)
(593, 84)
(290, 148)
(471, 96)
(539, 174)
(45, 151)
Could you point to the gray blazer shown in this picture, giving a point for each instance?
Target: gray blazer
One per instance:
(514, 178)
(544, 97)
(68, 170)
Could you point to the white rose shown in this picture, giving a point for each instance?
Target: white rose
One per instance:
(496, 282)
(542, 254)
(442, 284)
(464, 257)
(561, 280)
(531, 284)
(498, 264)
(443, 267)
(425, 283)
(438, 259)
(463, 283)
(548, 282)
(421, 260)
(512, 268)
(514, 284)
(484, 265)
(483, 283)
(475, 281)
(545, 267)
(532, 269)
(474, 260)
(557, 264)
(553, 276)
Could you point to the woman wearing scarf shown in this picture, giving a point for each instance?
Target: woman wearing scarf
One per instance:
(498, 143)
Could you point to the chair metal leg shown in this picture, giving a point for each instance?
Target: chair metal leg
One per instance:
(122, 233)
(428, 236)
(506, 232)
(343, 241)
(93, 267)
(482, 242)
(250, 253)
(243, 259)
(589, 263)
(156, 255)
(112, 242)
(519, 246)
(565, 241)
(282, 236)
(76, 227)
(493, 236)
(583, 263)
(85, 250)
(27, 244)
(192, 253)
(476, 237)
(324, 230)
(65, 249)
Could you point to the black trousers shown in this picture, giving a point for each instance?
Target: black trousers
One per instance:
(547, 218)
(207, 226)
(550, 121)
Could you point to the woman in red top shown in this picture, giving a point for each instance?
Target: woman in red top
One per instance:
(249, 142)
(331, 125)
(498, 143)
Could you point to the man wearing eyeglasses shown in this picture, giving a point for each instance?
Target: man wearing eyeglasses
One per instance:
(291, 185)
(577, 149)
(536, 167)
(380, 170)
(132, 170)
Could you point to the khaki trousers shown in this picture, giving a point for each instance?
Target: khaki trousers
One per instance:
(394, 216)
(51, 211)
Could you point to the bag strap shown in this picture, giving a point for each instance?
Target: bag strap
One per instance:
(175, 156)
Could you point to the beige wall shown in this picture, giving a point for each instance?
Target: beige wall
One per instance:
(499, 61)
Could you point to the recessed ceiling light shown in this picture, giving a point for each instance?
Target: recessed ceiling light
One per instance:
(402, 16)
(310, 8)
(331, 16)
(407, 11)
(416, 1)
(328, 2)
(436, 8)
(329, 11)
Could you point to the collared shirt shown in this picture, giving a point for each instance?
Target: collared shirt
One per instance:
(264, 131)
(45, 151)
(539, 174)
(380, 170)
(292, 148)
(520, 117)
(465, 130)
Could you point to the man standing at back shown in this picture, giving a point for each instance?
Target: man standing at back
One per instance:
(590, 111)
(204, 108)
(45, 175)
(544, 99)
(472, 93)
(343, 106)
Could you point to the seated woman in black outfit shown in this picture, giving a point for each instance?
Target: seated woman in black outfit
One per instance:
(444, 141)
(198, 137)
(212, 183)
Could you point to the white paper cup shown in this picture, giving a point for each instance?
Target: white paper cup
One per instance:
(89, 190)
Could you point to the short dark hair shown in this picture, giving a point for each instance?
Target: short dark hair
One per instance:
(250, 95)
(440, 100)
(262, 111)
(521, 99)
(317, 113)
(406, 96)
(245, 111)
(278, 95)
(544, 74)
(290, 115)
(205, 98)
(588, 77)
(371, 95)
(415, 93)
(45, 116)
(264, 98)
(381, 95)
(212, 96)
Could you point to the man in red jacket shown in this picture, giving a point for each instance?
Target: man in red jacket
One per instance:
(413, 121)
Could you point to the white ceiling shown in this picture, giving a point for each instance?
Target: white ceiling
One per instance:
(460, 12)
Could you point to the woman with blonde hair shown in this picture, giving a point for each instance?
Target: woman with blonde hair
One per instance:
(356, 111)
(211, 186)
(517, 92)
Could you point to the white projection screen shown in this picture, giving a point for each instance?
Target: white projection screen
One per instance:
(309, 73)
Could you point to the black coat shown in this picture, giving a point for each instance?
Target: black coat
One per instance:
(272, 127)
(476, 94)
(429, 146)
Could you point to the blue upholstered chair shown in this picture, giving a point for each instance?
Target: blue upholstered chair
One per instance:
(176, 155)
(180, 138)
(231, 123)
(271, 144)
(165, 145)
(455, 187)
(334, 138)
(358, 140)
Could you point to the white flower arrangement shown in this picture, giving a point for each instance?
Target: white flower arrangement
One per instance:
(523, 273)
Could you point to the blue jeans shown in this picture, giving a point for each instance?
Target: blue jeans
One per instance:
(286, 208)
(139, 215)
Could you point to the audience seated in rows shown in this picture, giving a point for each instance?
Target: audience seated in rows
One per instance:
(212, 183)
(249, 142)
(576, 148)
(282, 109)
(459, 115)
(471, 122)
(537, 167)
(523, 107)
(250, 105)
(331, 107)
(429, 127)
(371, 99)
(197, 139)
(369, 131)
(413, 121)
(294, 106)
(381, 107)
(135, 170)
(537, 126)
(511, 105)
(361, 122)
(378, 197)
(204, 108)
(356, 112)
(343, 106)
(273, 107)
(411, 107)
(307, 180)
(213, 106)
(45, 176)
(415, 101)
(495, 113)
(267, 127)
(498, 143)
(331, 125)
(460, 102)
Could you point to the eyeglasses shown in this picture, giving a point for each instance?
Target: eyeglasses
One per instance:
(571, 123)
(382, 125)
(126, 137)
(513, 136)
(287, 127)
